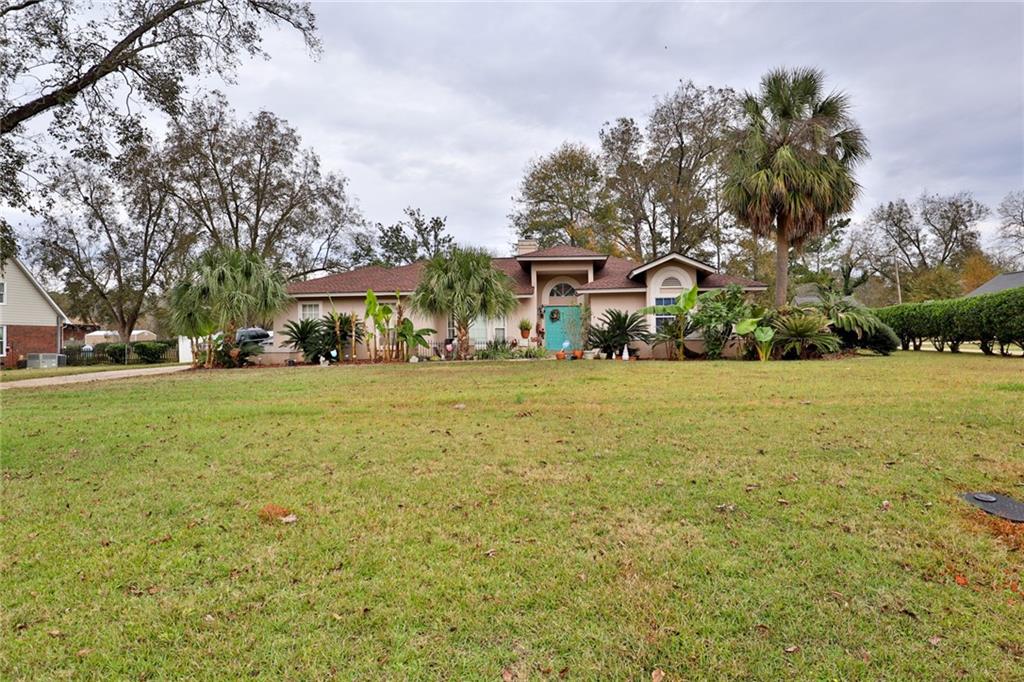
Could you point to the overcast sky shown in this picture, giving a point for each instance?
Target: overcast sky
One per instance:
(442, 106)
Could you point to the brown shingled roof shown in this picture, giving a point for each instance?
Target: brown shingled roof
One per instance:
(404, 278)
(563, 251)
(614, 275)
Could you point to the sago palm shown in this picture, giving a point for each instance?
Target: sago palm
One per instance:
(792, 166)
(465, 285)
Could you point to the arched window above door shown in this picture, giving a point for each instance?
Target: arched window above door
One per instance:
(562, 290)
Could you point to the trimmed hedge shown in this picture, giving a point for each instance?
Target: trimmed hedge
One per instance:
(987, 319)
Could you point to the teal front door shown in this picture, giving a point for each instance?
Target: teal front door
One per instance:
(561, 323)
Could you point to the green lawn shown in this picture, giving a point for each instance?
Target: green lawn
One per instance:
(598, 520)
(22, 374)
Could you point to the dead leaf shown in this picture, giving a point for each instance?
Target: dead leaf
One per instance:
(934, 640)
(782, 501)
(336, 616)
(291, 518)
(507, 675)
(491, 552)
(82, 653)
(791, 649)
(273, 512)
(657, 675)
(460, 406)
(886, 505)
(209, 618)
(563, 673)
(960, 580)
(55, 633)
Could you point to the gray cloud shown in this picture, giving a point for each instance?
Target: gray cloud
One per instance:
(441, 106)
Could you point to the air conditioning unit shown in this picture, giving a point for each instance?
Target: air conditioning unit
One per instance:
(45, 360)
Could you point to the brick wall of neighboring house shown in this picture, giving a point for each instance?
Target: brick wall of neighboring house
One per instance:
(23, 339)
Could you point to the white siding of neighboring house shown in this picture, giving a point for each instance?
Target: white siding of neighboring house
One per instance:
(23, 303)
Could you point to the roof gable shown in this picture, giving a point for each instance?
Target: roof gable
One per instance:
(672, 256)
(39, 287)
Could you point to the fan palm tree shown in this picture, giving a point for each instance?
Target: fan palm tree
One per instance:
(792, 166)
(227, 289)
(465, 285)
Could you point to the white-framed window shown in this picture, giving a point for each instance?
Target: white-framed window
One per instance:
(661, 320)
(3, 341)
(562, 290)
(309, 311)
(481, 330)
(3, 292)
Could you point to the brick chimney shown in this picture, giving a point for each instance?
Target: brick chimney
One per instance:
(524, 246)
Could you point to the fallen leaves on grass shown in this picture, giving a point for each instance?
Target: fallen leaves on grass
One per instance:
(273, 512)
(507, 675)
(1008, 532)
(657, 675)
(934, 640)
(886, 505)
(961, 580)
(55, 633)
(791, 649)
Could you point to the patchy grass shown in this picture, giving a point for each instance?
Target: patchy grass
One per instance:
(714, 520)
(22, 374)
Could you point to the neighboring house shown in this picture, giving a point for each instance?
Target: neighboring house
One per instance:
(1007, 280)
(30, 322)
(75, 330)
(551, 285)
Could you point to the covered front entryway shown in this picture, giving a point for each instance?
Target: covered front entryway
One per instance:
(562, 323)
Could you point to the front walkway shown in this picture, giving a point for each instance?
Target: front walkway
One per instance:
(92, 376)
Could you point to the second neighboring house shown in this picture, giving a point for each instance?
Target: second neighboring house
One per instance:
(1007, 280)
(552, 285)
(30, 321)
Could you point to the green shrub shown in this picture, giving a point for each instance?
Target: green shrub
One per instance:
(617, 329)
(987, 319)
(115, 352)
(805, 334)
(150, 352)
(495, 350)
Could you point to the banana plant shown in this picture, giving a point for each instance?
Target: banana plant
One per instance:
(410, 338)
(379, 316)
(681, 311)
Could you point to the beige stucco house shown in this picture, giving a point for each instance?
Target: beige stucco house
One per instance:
(551, 284)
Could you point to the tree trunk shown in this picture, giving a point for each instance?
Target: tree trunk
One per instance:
(463, 343)
(781, 264)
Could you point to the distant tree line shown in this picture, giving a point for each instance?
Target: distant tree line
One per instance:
(737, 179)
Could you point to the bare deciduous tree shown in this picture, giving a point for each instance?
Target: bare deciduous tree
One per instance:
(112, 231)
(250, 185)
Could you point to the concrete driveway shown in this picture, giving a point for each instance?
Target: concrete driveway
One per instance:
(92, 376)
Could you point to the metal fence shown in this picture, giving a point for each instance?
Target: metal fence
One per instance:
(117, 354)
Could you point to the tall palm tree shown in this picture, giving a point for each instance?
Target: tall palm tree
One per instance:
(465, 285)
(792, 167)
(226, 289)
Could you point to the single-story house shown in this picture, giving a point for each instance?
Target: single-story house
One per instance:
(1007, 280)
(30, 321)
(551, 284)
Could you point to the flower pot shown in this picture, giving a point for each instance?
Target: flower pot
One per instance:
(578, 354)
(560, 355)
(589, 354)
(525, 333)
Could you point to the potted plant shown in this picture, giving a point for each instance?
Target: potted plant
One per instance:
(524, 328)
